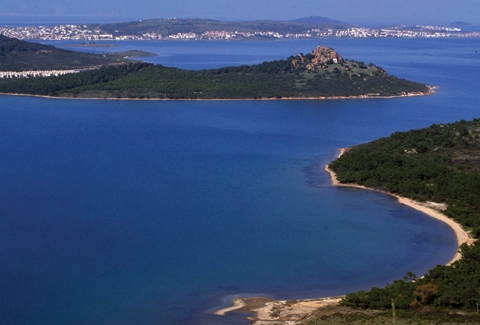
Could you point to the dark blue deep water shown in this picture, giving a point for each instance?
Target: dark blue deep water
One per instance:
(158, 212)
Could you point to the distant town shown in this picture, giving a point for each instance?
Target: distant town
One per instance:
(88, 33)
(35, 73)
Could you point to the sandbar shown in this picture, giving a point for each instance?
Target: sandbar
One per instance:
(268, 311)
(237, 304)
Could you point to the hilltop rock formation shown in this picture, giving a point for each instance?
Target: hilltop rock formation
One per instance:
(323, 54)
(320, 57)
(328, 62)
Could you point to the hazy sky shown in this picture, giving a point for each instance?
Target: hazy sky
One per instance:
(352, 11)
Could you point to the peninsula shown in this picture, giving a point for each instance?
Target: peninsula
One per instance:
(322, 74)
(439, 167)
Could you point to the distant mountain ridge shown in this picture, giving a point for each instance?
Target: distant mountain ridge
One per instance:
(319, 20)
(459, 23)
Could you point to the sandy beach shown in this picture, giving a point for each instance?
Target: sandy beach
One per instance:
(269, 311)
(431, 209)
(237, 304)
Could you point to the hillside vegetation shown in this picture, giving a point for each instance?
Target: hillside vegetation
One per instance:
(323, 73)
(17, 55)
(440, 163)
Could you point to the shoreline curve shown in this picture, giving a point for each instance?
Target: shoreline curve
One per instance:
(463, 237)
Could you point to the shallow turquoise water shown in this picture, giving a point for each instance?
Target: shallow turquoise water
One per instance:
(158, 212)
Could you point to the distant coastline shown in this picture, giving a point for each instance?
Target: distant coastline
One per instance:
(201, 29)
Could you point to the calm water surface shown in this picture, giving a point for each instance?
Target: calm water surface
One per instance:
(127, 212)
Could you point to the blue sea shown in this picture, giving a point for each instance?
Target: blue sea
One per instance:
(160, 212)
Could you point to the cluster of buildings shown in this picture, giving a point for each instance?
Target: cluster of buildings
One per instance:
(62, 32)
(225, 35)
(81, 32)
(35, 73)
(439, 28)
(418, 31)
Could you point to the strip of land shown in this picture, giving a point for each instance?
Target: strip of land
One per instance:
(237, 304)
(268, 311)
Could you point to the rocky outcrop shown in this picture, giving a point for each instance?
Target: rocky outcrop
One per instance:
(318, 60)
(324, 54)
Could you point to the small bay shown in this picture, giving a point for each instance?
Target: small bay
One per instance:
(121, 212)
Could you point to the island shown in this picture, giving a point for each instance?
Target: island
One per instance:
(322, 74)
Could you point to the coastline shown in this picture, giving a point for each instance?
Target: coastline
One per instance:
(268, 311)
(237, 304)
(462, 236)
(431, 91)
(287, 312)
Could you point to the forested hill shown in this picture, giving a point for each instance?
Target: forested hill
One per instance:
(323, 73)
(17, 55)
(440, 163)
